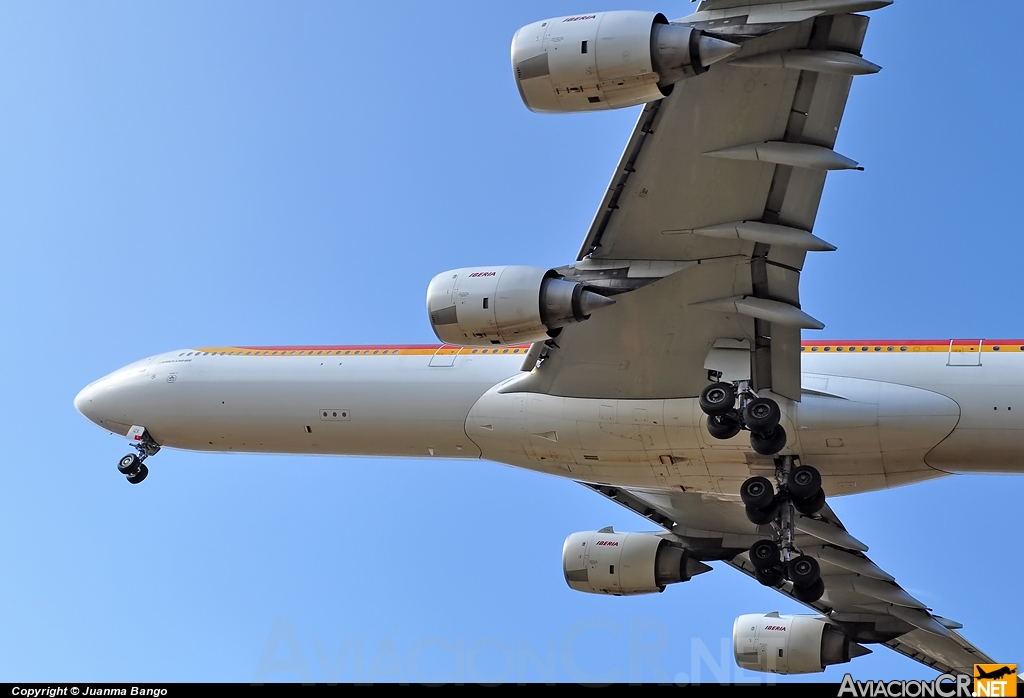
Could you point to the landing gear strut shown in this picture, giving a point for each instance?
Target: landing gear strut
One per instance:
(798, 490)
(132, 465)
(733, 407)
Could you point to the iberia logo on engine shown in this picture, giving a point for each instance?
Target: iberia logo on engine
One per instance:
(607, 542)
(483, 273)
(995, 680)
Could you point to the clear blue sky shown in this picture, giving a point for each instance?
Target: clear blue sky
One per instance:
(180, 174)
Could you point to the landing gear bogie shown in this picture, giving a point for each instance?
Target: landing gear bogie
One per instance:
(777, 559)
(732, 407)
(132, 465)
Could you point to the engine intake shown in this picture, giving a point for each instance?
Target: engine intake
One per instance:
(608, 60)
(625, 564)
(777, 644)
(483, 306)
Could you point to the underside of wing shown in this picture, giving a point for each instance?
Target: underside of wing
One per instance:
(861, 600)
(722, 177)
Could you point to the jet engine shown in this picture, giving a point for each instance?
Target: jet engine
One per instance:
(791, 644)
(625, 564)
(482, 306)
(608, 60)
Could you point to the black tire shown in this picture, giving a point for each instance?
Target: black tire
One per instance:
(812, 505)
(769, 444)
(804, 571)
(762, 414)
(765, 554)
(771, 577)
(809, 594)
(722, 427)
(718, 398)
(761, 517)
(139, 476)
(129, 465)
(757, 492)
(804, 482)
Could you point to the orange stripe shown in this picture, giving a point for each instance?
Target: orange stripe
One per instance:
(916, 345)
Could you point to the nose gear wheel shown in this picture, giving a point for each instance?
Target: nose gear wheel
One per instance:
(132, 465)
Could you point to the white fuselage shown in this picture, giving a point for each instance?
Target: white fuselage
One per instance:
(869, 419)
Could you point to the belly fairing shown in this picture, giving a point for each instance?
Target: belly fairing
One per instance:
(862, 435)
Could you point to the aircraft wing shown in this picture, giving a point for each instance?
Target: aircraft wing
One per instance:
(720, 183)
(860, 598)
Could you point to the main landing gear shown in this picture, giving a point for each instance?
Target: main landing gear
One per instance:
(132, 465)
(778, 559)
(759, 415)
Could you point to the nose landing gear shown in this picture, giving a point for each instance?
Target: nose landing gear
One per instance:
(132, 465)
(759, 415)
(799, 490)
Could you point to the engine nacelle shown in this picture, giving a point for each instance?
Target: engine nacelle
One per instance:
(483, 306)
(625, 564)
(790, 644)
(608, 60)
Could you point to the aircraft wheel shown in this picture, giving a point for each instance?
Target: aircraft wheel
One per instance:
(139, 476)
(765, 554)
(762, 414)
(770, 443)
(804, 482)
(771, 577)
(722, 427)
(812, 505)
(804, 571)
(129, 465)
(809, 594)
(717, 398)
(760, 517)
(757, 492)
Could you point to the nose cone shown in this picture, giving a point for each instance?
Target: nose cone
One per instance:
(85, 403)
(113, 401)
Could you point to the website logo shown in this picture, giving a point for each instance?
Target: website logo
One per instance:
(995, 680)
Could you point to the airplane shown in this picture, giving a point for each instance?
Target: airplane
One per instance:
(663, 368)
(994, 674)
